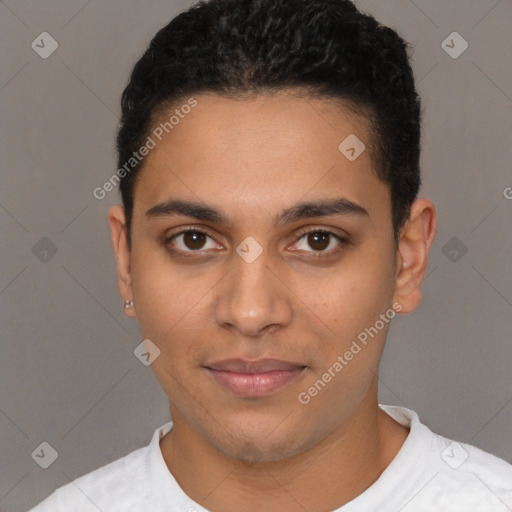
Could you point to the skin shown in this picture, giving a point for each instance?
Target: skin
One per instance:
(250, 159)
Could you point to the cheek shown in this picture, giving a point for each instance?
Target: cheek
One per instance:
(164, 296)
(350, 304)
(352, 297)
(172, 309)
(347, 364)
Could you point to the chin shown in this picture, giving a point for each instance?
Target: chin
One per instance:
(253, 443)
(251, 452)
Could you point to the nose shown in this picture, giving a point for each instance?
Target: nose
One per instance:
(252, 298)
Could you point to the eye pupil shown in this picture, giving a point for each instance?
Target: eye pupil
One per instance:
(196, 238)
(313, 239)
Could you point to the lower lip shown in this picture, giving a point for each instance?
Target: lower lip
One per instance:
(254, 384)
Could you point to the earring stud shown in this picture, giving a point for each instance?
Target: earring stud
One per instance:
(128, 304)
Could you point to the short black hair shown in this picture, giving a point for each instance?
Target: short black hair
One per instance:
(325, 48)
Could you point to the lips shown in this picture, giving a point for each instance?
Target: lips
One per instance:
(258, 366)
(254, 378)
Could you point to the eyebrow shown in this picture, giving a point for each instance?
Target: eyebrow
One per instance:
(304, 210)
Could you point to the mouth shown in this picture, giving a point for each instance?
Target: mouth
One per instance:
(254, 378)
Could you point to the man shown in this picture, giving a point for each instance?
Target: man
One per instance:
(270, 231)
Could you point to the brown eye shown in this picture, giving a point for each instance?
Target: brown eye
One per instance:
(191, 240)
(194, 239)
(318, 240)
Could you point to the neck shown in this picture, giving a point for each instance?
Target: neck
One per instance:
(325, 477)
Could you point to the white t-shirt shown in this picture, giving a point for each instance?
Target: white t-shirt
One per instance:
(429, 473)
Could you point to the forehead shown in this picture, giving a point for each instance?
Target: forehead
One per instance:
(261, 154)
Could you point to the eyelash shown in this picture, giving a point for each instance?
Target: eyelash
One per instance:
(316, 254)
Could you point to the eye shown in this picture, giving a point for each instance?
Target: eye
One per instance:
(321, 241)
(196, 240)
(191, 240)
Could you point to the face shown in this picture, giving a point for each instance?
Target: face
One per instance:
(250, 275)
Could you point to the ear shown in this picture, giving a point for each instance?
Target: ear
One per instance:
(117, 221)
(415, 239)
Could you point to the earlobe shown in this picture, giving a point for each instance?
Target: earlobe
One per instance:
(117, 221)
(415, 240)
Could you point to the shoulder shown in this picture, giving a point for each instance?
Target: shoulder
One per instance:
(473, 476)
(443, 474)
(106, 488)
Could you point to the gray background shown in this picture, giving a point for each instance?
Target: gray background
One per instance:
(68, 373)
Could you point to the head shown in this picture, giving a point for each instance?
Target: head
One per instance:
(285, 136)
